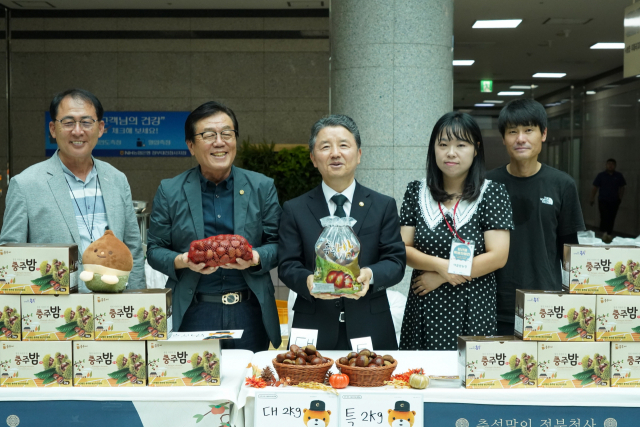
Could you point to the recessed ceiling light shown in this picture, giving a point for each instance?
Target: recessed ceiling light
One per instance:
(497, 23)
(591, 92)
(549, 75)
(510, 93)
(493, 101)
(632, 22)
(608, 46)
(566, 21)
(552, 104)
(463, 62)
(484, 105)
(525, 87)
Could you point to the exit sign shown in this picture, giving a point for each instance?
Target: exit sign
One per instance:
(486, 85)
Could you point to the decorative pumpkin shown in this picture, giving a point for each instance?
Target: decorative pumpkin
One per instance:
(418, 381)
(339, 380)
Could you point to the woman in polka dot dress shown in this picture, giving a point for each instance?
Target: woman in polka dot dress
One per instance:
(442, 306)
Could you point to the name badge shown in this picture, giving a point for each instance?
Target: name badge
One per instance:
(461, 257)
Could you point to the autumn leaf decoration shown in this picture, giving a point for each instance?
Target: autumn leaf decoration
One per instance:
(252, 381)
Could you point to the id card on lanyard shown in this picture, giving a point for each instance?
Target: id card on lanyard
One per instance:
(461, 256)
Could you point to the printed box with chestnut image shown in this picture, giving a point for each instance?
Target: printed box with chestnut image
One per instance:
(574, 365)
(57, 317)
(10, 319)
(135, 314)
(554, 316)
(36, 364)
(625, 364)
(34, 268)
(497, 362)
(109, 364)
(183, 363)
(617, 318)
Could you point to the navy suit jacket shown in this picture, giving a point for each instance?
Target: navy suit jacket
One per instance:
(382, 250)
(176, 220)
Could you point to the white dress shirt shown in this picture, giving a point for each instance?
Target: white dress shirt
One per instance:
(348, 193)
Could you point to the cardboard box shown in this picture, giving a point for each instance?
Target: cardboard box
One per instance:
(183, 363)
(10, 319)
(625, 364)
(554, 316)
(135, 314)
(573, 364)
(30, 268)
(36, 364)
(109, 364)
(602, 270)
(497, 362)
(618, 318)
(57, 317)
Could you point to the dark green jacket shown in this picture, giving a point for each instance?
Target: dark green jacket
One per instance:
(176, 220)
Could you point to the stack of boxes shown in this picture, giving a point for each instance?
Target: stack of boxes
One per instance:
(586, 336)
(53, 336)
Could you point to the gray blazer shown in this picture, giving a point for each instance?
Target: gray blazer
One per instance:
(177, 220)
(39, 210)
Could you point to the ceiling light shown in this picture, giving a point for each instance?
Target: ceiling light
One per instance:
(463, 62)
(492, 101)
(510, 93)
(591, 92)
(497, 23)
(525, 87)
(632, 22)
(608, 46)
(549, 75)
(566, 21)
(484, 105)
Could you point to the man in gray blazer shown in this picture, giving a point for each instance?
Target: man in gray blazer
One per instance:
(72, 197)
(216, 198)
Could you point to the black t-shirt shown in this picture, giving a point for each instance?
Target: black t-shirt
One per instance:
(545, 207)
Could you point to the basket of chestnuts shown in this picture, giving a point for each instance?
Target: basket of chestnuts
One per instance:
(366, 368)
(304, 364)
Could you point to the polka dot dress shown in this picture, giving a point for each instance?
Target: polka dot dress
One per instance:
(434, 321)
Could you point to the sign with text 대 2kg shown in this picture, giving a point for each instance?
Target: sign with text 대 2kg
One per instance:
(136, 134)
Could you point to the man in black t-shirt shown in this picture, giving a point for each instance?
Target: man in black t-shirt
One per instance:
(546, 209)
(611, 185)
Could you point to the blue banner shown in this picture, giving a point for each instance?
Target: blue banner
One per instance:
(136, 134)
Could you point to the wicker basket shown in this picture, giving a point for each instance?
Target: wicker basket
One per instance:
(368, 377)
(303, 373)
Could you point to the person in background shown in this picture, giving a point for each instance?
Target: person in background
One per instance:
(215, 198)
(611, 185)
(546, 209)
(73, 197)
(455, 202)
(334, 148)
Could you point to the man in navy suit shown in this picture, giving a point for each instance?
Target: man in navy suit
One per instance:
(335, 150)
(215, 198)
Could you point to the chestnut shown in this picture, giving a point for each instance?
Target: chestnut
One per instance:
(294, 348)
(301, 354)
(310, 349)
(373, 355)
(290, 355)
(343, 361)
(352, 355)
(352, 362)
(288, 362)
(387, 363)
(317, 353)
(301, 361)
(372, 365)
(317, 361)
(379, 361)
(388, 357)
(365, 352)
(362, 360)
(280, 358)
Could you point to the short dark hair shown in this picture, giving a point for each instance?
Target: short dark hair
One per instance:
(82, 94)
(332, 121)
(612, 161)
(522, 112)
(464, 127)
(207, 109)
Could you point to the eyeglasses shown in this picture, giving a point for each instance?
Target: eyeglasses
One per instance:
(70, 124)
(225, 135)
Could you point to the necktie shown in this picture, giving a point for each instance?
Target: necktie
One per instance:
(339, 200)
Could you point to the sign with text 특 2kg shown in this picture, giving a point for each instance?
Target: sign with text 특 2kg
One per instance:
(135, 134)
(632, 40)
(381, 409)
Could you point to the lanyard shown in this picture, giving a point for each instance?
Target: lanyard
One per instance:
(451, 229)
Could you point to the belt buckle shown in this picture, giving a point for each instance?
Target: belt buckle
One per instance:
(231, 298)
(341, 317)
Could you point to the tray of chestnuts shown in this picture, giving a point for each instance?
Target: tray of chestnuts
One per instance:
(367, 368)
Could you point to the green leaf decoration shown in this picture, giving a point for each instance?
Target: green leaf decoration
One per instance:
(45, 374)
(143, 333)
(70, 334)
(584, 374)
(515, 380)
(45, 287)
(67, 327)
(44, 280)
(586, 381)
(572, 334)
(119, 373)
(193, 372)
(570, 327)
(619, 287)
(616, 280)
(48, 380)
(196, 379)
(636, 329)
(122, 380)
(140, 326)
(512, 374)
(198, 417)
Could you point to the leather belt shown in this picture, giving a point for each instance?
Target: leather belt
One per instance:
(226, 299)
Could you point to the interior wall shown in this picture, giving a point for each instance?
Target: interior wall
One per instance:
(278, 87)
